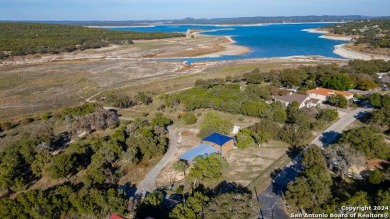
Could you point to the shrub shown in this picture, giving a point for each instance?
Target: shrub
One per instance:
(26, 121)
(189, 118)
(6, 126)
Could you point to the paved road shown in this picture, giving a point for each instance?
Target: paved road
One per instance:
(148, 185)
(271, 198)
(334, 131)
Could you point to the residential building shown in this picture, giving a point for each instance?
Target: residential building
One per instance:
(386, 79)
(302, 100)
(381, 75)
(115, 216)
(323, 94)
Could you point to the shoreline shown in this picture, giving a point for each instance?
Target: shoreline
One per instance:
(341, 50)
(230, 48)
(325, 35)
(217, 25)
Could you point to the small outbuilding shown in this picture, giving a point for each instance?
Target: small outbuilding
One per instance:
(200, 150)
(221, 142)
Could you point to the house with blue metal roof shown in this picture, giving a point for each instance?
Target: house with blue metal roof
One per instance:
(200, 150)
(222, 143)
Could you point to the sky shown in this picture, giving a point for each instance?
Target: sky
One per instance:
(177, 9)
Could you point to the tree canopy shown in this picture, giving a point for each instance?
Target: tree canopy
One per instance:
(31, 38)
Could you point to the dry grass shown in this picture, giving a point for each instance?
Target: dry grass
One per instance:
(50, 82)
(246, 165)
(135, 174)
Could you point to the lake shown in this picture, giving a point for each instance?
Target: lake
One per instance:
(265, 41)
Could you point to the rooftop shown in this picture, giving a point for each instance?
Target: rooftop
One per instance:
(291, 97)
(218, 139)
(200, 150)
(327, 92)
(386, 79)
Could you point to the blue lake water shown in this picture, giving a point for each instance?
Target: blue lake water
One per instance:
(274, 40)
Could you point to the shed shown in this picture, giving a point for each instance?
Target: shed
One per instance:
(236, 129)
(200, 150)
(221, 142)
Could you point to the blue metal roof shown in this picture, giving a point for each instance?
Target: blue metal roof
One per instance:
(218, 139)
(200, 150)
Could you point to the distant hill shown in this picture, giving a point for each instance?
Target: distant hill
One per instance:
(31, 38)
(238, 20)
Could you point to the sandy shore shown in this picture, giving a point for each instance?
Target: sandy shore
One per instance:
(327, 35)
(230, 49)
(341, 50)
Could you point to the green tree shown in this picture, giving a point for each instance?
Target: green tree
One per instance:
(338, 82)
(328, 115)
(61, 165)
(232, 205)
(39, 163)
(207, 169)
(254, 77)
(189, 118)
(11, 168)
(213, 122)
(383, 198)
(131, 155)
(244, 139)
(155, 198)
(192, 208)
(367, 140)
(338, 101)
(312, 189)
(160, 120)
(358, 199)
(120, 101)
(376, 177)
(292, 110)
(375, 100)
(256, 91)
(180, 166)
(144, 98)
(265, 130)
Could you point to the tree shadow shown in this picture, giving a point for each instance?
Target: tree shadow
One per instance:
(292, 152)
(363, 117)
(329, 137)
(61, 140)
(229, 187)
(281, 177)
(129, 189)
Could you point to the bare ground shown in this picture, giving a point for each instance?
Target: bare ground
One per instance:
(37, 83)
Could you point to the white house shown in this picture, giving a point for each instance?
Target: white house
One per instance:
(302, 100)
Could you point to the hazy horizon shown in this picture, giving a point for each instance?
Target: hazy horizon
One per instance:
(119, 10)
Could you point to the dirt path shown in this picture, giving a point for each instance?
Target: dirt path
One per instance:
(148, 185)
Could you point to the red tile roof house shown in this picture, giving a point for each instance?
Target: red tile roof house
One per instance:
(323, 93)
(115, 216)
(303, 100)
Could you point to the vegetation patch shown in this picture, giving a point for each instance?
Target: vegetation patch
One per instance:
(18, 39)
